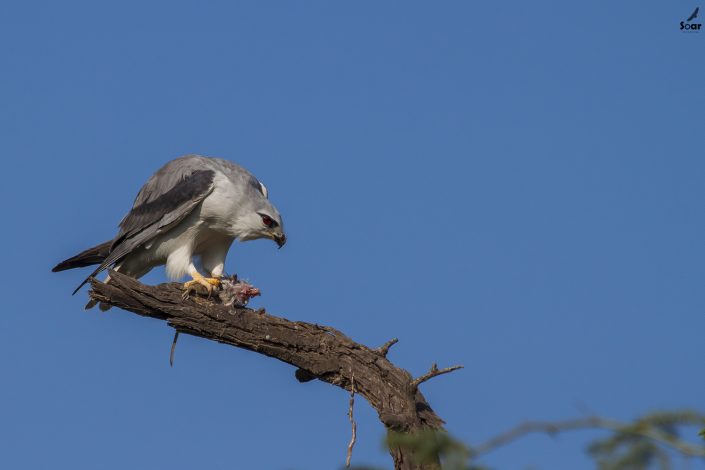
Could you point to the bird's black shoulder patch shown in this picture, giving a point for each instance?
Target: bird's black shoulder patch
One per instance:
(188, 189)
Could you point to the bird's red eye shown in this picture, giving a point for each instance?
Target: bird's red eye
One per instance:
(266, 220)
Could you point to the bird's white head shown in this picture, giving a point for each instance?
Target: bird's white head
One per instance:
(262, 223)
(260, 220)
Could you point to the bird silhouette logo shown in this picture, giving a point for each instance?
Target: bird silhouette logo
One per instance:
(688, 26)
(694, 14)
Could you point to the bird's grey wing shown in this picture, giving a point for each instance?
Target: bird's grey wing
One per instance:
(164, 201)
(169, 203)
(168, 177)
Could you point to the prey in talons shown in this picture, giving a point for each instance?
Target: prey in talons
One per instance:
(208, 283)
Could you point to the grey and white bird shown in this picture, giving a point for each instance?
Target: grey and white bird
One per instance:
(193, 207)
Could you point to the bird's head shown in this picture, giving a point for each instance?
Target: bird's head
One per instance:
(261, 220)
(271, 226)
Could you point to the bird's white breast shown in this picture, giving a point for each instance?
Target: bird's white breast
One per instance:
(214, 221)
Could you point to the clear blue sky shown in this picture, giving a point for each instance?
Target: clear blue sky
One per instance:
(513, 186)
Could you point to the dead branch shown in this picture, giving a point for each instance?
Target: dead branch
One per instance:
(434, 372)
(353, 424)
(173, 348)
(588, 422)
(316, 351)
(384, 349)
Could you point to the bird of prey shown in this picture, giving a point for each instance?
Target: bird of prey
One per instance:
(193, 207)
(694, 14)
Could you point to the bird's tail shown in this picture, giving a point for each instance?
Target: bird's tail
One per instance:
(91, 256)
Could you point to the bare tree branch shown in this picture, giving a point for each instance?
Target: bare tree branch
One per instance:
(173, 348)
(384, 349)
(352, 422)
(434, 372)
(589, 422)
(317, 351)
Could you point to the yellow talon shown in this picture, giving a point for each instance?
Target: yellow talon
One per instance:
(207, 282)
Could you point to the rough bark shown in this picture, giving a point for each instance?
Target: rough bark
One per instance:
(319, 352)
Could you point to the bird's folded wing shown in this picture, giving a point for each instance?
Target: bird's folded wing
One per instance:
(164, 201)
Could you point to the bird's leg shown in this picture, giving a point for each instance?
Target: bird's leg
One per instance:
(213, 259)
(198, 279)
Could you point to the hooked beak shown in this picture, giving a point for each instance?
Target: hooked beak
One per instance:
(280, 239)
